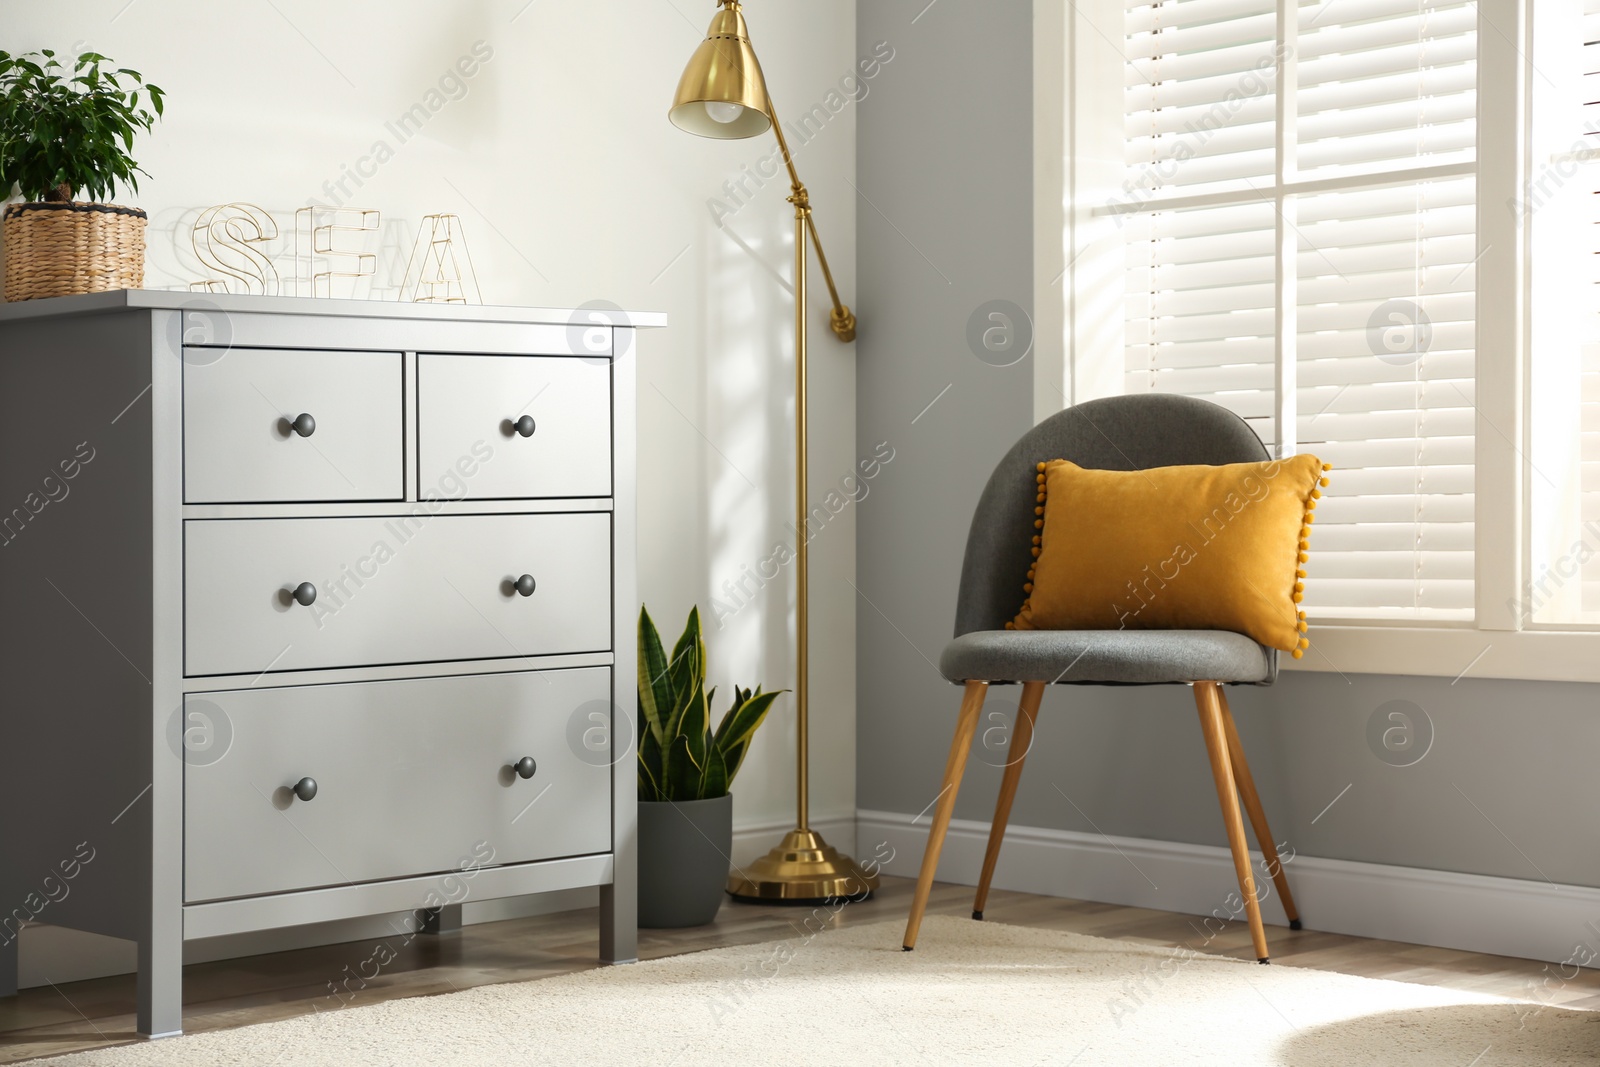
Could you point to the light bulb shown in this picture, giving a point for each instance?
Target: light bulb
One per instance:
(723, 112)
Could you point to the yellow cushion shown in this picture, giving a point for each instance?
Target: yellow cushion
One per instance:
(1174, 548)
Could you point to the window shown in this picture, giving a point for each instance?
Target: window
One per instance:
(1298, 219)
(1371, 228)
(1562, 204)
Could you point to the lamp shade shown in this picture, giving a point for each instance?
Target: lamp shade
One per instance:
(722, 92)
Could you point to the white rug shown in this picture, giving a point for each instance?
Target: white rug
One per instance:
(972, 993)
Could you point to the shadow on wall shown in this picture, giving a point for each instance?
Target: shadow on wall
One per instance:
(747, 478)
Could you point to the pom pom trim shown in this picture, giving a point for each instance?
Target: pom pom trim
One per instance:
(1302, 557)
(1038, 542)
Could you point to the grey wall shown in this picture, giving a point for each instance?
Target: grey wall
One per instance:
(944, 167)
(1508, 786)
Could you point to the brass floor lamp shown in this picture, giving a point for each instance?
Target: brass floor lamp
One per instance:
(723, 94)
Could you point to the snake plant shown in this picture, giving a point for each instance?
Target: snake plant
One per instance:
(680, 756)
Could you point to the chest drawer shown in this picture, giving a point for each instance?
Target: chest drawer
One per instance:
(242, 442)
(413, 777)
(402, 589)
(562, 447)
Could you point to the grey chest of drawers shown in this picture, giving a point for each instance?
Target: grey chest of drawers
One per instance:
(315, 609)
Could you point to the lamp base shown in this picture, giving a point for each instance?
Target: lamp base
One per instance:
(803, 869)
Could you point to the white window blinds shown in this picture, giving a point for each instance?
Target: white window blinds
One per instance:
(1333, 232)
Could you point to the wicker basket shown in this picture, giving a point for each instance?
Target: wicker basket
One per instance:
(57, 249)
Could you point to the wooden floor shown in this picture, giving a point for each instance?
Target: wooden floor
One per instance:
(82, 1015)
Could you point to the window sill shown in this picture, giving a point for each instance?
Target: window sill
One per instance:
(1454, 653)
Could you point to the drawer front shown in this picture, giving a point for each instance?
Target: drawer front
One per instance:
(413, 777)
(239, 444)
(402, 589)
(464, 402)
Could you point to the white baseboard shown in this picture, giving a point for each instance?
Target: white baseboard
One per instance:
(1477, 913)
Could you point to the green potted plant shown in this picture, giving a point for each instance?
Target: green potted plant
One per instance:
(685, 769)
(65, 133)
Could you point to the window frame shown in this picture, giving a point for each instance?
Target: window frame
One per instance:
(1077, 119)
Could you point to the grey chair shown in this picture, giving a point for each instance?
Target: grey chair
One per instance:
(1119, 433)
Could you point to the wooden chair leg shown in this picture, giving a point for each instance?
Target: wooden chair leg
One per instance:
(1258, 814)
(1021, 741)
(1207, 697)
(966, 726)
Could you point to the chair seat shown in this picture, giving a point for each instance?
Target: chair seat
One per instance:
(1127, 657)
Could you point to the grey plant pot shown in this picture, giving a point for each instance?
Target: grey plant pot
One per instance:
(683, 860)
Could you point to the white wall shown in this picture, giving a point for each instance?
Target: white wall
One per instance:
(572, 186)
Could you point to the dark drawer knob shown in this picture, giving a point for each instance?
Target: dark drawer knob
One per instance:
(525, 767)
(305, 594)
(304, 425)
(306, 789)
(524, 426)
(526, 585)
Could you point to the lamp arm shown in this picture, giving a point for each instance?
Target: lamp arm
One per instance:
(841, 318)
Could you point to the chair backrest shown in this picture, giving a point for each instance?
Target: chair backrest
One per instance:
(1121, 433)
